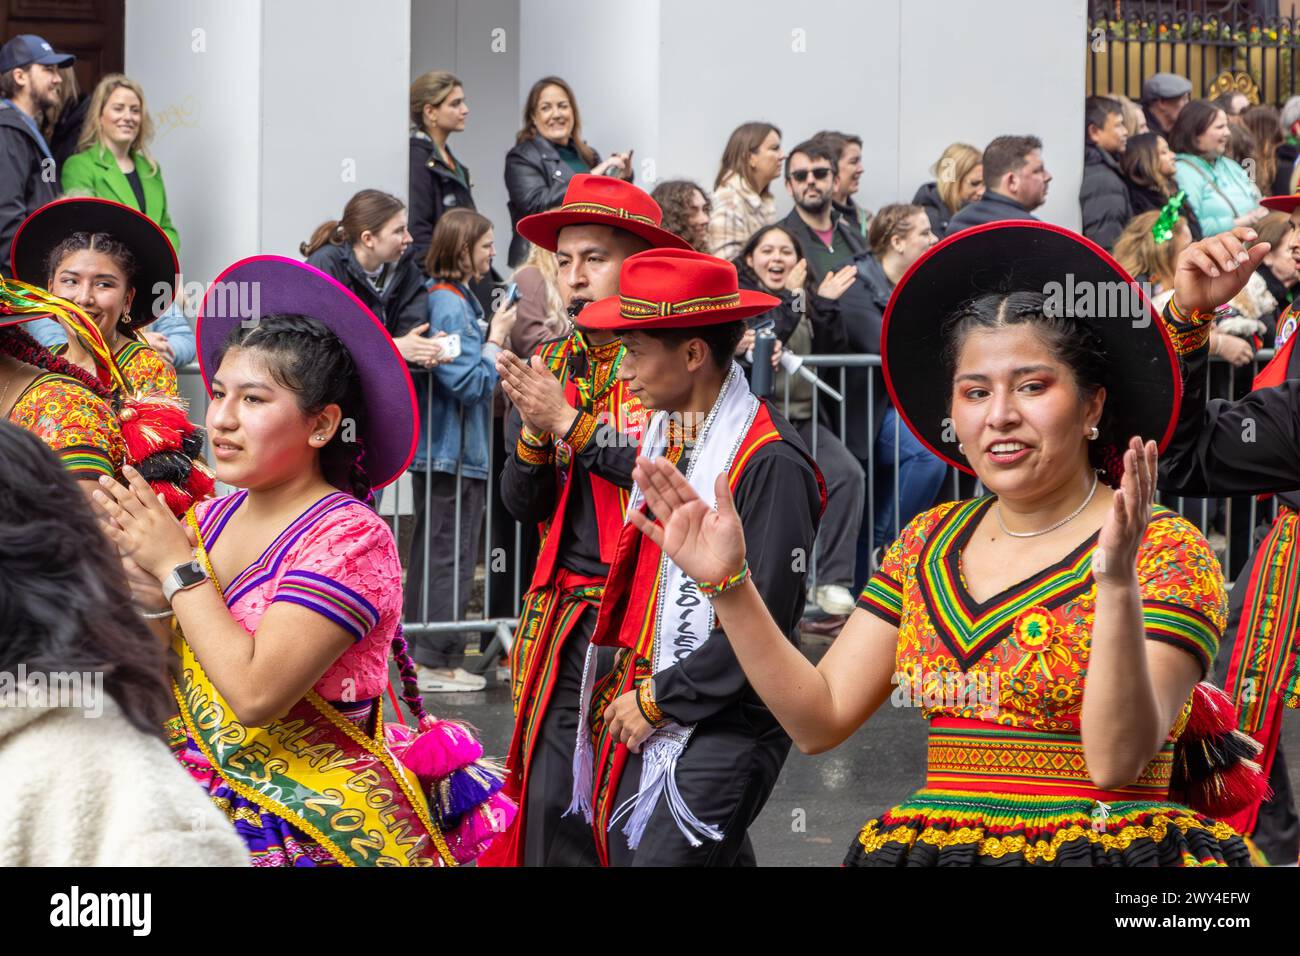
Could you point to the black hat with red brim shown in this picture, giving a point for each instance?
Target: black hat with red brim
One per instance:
(601, 201)
(1078, 277)
(675, 289)
(157, 273)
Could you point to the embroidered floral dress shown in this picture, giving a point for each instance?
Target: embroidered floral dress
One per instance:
(338, 559)
(76, 423)
(1002, 682)
(143, 368)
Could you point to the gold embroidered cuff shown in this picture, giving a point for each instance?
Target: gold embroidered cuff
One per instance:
(645, 702)
(1188, 333)
(579, 434)
(531, 455)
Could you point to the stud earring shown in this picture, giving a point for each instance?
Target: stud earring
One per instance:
(961, 448)
(1093, 433)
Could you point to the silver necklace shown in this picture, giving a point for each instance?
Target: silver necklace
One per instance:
(1066, 520)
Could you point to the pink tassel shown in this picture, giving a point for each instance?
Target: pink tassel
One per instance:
(478, 829)
(440, 751)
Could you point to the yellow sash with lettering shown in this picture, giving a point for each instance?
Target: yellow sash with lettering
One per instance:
(312, 767)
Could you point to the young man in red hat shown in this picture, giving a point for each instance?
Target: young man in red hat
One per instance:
(572, 428)
(1251, 446)
(681, 754)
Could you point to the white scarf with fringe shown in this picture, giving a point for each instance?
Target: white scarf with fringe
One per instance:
(684, 620)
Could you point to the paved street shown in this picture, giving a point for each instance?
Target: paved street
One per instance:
(820, 802)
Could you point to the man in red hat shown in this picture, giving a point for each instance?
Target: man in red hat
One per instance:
(1251, 446)
(569, 473)
(682, 754)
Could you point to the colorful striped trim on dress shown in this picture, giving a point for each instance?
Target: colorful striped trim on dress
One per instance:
(983, 757)
(266, 565)
(329, 598)
(1182, 627)
(969, 628)
(1035, 829)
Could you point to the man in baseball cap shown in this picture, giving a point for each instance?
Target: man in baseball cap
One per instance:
(29, 85)
(1163, 97)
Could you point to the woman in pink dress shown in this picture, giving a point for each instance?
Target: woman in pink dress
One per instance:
(286, 595)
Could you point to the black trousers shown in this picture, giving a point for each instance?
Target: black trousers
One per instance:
(725, 775)
(447, 648)
(550, 838)
(1277, 828)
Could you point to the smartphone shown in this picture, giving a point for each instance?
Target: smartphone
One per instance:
(513, 295)
(451, 346)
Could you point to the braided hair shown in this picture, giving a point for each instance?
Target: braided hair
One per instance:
(105, 244)
(304, 356)
(18, 343)
(1070, 340)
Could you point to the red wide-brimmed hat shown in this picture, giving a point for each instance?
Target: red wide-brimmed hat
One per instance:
(1281, 203)
(269, 285)
(601, 201)
(157, 272)
(675, 289)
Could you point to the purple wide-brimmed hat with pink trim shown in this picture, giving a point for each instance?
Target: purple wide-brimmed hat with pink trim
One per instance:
(273, 285)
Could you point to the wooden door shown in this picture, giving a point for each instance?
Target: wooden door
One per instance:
(93, 30)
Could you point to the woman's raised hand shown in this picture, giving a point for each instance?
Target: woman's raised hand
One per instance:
(708, 545)
(1115, 558)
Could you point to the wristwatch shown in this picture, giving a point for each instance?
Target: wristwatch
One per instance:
(183, 577)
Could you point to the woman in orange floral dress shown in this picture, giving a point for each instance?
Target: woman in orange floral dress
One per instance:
(1053, 632)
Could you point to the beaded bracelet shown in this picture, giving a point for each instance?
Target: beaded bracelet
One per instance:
(725, 585)
(1196, 318)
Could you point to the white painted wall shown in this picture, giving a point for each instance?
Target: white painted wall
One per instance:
(335, 80)
(462, 36)
(259, 104)
(199, 65)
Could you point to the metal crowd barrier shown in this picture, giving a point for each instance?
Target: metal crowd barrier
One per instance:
(395, 501)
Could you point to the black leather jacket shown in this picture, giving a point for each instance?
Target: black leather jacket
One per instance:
(536, 178)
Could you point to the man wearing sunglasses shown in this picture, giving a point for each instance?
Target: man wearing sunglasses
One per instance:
(828, 242)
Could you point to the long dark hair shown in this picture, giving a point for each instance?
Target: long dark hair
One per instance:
(1141, 164)
(745, 272)
(307, 358)
(64, 601)
(17, 343)
(1070, 340)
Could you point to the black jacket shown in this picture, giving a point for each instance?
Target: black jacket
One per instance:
(862, 309)
(401, 306)
(1144, 199)
(24, 184)
(928, 198)
(536, 178)
(1286, 155)
(434, 189)
(1103, 197)
(993, 207)
(67, 130)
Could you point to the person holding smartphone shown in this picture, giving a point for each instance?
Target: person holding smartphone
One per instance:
(451, 465)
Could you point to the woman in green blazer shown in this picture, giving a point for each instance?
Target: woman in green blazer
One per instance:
(113, 161)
